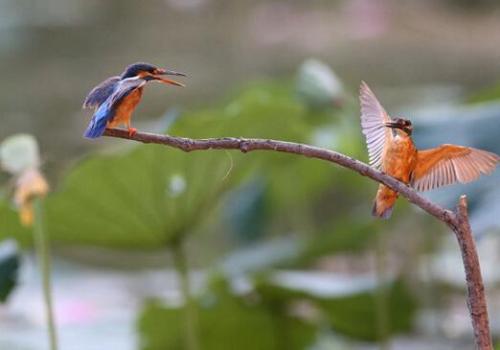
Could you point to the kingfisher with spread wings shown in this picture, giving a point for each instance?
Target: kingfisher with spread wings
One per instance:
(391, 150)
(115, 99)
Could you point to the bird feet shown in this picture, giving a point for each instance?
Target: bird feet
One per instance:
(132, 131)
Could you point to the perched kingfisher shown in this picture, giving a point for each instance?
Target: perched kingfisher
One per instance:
(391, 150)
(115, 99)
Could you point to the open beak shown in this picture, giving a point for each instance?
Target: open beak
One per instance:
(160, 72)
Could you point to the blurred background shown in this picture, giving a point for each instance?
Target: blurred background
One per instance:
(157, 249)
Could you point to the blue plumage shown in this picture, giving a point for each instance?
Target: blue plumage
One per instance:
(96, 99)
(135, 68)
(99, 121)
(100, 93)
(108, 97)
(107, 110)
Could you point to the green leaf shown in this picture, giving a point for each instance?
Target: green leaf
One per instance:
(353, 315)
(349, 236)
(246, 211)
(226, 323)
(356, 315)
(142, 199)
(10, 226)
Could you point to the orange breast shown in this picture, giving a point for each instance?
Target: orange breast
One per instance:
(400, 158)
(126, 108)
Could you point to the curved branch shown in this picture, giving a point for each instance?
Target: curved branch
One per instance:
(458, 221)
(247, 145)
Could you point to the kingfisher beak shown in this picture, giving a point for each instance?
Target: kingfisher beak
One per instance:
(392, 125)
(160, 72)
(170, 72)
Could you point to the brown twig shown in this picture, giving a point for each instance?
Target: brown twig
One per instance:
(475, 289)
(458, 221)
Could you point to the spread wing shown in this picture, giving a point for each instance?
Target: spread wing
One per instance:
(447, 164)
(100, 93)
(373, 118)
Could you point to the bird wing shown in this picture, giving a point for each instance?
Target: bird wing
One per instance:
(447, 164)
(106, 110)
(373, 118)
(100, 93)
(123, 88)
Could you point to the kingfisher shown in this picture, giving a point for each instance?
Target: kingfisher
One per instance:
(115, 99)
(391, 150)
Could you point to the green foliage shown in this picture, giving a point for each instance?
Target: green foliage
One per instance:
(246, 211)
(142, 199)
(486, 95)
(232, 322)
(354, 315)
(338, 237)
(10, 225)
(226, 322)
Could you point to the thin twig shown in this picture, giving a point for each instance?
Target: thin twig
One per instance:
(458, 221)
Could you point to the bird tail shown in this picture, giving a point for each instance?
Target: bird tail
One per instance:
(97, 124)
(384, 202)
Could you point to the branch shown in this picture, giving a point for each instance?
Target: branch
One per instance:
(478, 308)
(248, 145)
(458, 221)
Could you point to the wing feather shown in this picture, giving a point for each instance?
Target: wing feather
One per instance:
(107, 109)
(447, 164)
(124, 88)
(449, 173)
(373, 118)
(100, 93)
(439, 175)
